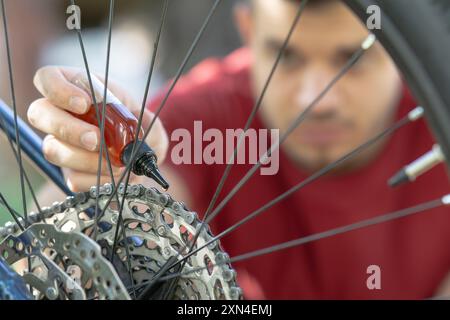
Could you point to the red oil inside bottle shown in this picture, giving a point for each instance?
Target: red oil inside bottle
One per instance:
(119, 131)
(120, 128)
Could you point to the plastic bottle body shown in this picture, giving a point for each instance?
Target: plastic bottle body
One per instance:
(120, 128)
(119, 131)
(120, 123)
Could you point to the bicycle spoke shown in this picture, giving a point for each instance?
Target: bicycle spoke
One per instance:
(255, 109)
(304, 183)
(97, 112)
(252, 115)
(13, 98)
(127, 251)
(102, 114)
(355, 226)
(176, 78)
(174, 82)
(143, 106)
(100, 118)
(444, 201)
(184, 64)
(11, 211)
(178, 75)
(102, 134)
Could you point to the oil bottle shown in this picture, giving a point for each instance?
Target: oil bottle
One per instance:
(120, 131)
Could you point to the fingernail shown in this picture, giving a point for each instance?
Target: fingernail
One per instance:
(78, 104)
(89, 140)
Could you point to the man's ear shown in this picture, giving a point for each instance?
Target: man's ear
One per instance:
(243, 18)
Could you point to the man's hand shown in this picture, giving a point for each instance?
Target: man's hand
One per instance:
(73, 144)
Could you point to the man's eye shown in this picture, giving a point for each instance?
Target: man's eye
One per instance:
(344, 58)
(291, 59)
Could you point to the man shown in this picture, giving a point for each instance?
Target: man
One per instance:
(408, 253)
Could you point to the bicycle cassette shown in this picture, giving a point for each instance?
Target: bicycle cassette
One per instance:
(70, 248)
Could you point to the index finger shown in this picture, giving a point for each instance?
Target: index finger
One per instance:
(54, 84)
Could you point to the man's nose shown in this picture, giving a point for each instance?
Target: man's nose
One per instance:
(312, 91)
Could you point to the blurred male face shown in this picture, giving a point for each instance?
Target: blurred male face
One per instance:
(358, 107)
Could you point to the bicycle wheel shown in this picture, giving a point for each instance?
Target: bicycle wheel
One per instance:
(146, 218)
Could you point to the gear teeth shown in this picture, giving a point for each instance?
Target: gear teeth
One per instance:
(81, 202)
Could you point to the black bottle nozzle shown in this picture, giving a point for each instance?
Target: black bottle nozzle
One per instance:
(145, 163)
(150, 169)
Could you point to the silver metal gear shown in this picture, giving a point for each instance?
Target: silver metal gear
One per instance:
(156, 227)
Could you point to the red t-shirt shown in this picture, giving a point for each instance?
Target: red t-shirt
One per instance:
(412, 252)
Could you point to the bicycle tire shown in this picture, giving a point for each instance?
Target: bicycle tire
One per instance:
(416, 34)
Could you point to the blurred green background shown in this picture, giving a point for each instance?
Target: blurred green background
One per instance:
(10, 182)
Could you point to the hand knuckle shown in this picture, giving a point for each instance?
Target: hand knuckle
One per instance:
(63, 133)
(53, 95)
(49, 149)
(38, 77)
(33, 111)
